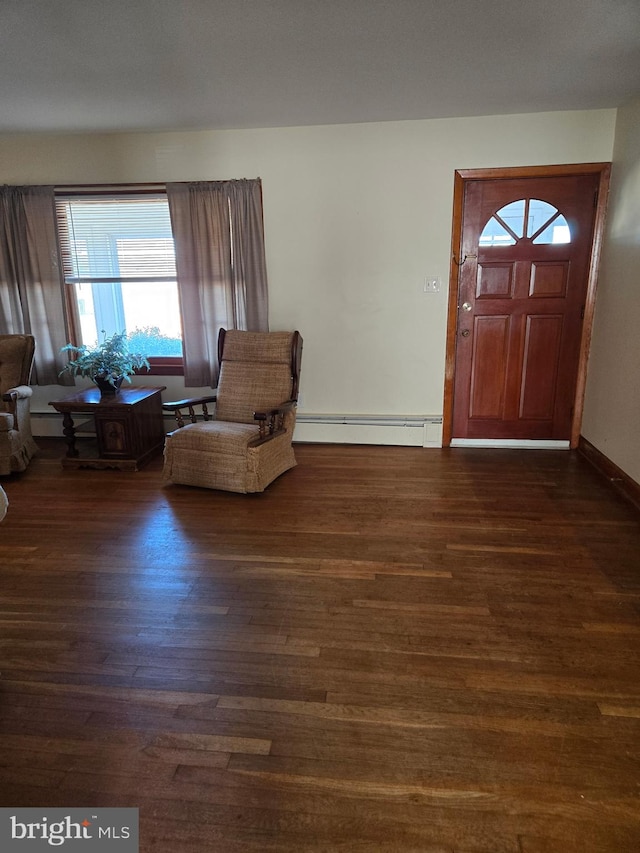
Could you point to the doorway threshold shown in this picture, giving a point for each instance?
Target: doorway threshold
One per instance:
(513, 443)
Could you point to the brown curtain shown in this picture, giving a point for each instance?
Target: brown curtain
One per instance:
(31, 290)
(221, 268)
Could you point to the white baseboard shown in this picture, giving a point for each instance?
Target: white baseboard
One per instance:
(46, 424)
(523, 443)
(409, 431)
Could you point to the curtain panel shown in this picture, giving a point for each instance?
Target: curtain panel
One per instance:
(31, 288)
(221, 268)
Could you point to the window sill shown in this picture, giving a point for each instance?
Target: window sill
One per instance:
(163, 366)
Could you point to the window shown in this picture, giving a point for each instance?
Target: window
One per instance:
(542, 222)
(119, 263)
(121, 247)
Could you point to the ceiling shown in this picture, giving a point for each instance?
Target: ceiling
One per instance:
(127, 65)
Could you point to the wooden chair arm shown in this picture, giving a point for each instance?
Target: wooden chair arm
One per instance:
(270, 423)
(190, 403)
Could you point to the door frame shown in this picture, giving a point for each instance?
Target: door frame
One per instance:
(462, 177)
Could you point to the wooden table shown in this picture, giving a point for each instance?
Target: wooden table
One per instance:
(128, 427)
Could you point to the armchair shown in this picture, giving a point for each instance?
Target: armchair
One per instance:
(17, 446)
(249, 441)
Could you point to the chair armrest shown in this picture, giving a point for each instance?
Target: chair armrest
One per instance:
(190, 403)
(270, 422)
(20, 392)
(17, 403)
(287, 406)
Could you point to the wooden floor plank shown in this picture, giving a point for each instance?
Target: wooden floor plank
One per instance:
(391, 650)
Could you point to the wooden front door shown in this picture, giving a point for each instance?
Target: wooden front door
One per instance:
(523, 273)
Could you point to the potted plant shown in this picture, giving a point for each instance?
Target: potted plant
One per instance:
(107, 363)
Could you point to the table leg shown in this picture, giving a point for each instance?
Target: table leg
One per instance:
(69, 434)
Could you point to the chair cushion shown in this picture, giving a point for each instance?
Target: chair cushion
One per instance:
(214, 437)
(215, 456)
(7, 423)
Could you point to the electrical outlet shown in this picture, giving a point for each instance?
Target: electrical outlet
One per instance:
(432, 284)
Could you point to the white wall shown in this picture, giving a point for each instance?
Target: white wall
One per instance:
(611, 419)
(356, 216)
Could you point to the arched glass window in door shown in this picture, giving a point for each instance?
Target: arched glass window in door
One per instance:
(537, 220)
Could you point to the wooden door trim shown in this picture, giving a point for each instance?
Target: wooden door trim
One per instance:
(462, 176)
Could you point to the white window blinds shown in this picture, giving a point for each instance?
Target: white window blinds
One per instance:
(115, 239)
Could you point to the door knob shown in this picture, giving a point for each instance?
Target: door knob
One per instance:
(465, 333)
(467, 306)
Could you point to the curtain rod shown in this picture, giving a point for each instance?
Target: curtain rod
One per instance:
(108, 188)
(153, 185)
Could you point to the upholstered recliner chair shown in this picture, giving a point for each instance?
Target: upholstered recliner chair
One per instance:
(248, 442)
(17, 446)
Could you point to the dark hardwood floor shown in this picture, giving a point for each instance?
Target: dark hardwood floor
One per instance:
(392, 650)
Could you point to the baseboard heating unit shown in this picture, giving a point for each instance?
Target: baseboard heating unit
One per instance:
(515, 443)
(411, 430)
